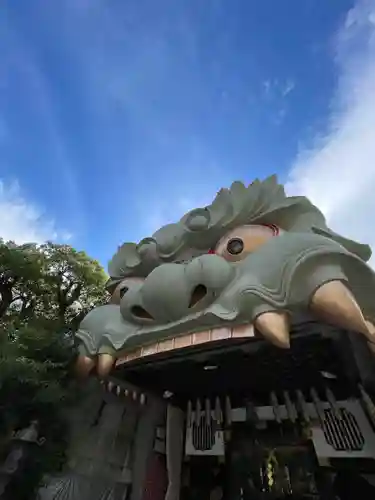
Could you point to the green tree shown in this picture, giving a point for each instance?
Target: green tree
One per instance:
(20, 271)
(45, 292)
(73, 283)
(36, 383)
(49, 281)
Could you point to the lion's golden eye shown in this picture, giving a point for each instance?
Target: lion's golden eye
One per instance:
(241, 241)
(235, 246)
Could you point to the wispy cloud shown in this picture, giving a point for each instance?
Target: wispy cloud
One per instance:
(23, 221)
(277, 88)
(24, 82)
(180, 196)
(162, 213)
(288, 87)
(338, 171)
(124, 59)
(267, 86)
(276, 92)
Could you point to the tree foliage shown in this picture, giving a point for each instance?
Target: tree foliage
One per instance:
(48, 281)
(45, 290)
(20, 272)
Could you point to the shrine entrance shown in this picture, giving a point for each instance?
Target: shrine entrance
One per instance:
(203, 477)
(258, 465)
(270, 464)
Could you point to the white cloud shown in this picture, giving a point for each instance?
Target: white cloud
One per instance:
(22, 221)
(338, 172)
(21, 64)
(267, 85)
(275, 88)
(288, 88)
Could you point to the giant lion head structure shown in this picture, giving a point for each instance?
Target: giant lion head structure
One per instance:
(240, 267)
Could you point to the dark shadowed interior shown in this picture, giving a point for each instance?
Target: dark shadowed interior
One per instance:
(248, 371)
(249, 367)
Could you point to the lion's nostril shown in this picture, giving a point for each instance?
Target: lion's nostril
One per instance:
(141, 313)
(199, 292)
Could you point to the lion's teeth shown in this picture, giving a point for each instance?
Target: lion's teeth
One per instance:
(191, 339)
(221, 333)
(149, 350)
(201, 337)
(184, 341)
(333, 302)
(105, 364)
(166, 345)
(274, 326)
(243, 331)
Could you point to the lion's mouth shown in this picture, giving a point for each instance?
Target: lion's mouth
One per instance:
(233, 365)
(332, 303)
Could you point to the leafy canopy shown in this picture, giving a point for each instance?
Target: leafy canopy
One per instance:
(45, 291)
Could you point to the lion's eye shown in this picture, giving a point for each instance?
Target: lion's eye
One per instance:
(241, 241)
(235, 246)
(122, 288)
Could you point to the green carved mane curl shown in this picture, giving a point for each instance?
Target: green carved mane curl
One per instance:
(262, 202)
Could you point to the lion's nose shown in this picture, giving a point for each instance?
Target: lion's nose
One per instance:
(172, 291)
(198, 294)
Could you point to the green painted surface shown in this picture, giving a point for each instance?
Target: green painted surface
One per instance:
(280, 275)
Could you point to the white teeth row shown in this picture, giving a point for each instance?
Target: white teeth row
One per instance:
(189, 340)
(136, 396)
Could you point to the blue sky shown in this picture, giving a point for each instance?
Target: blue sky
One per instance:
(117, 116)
